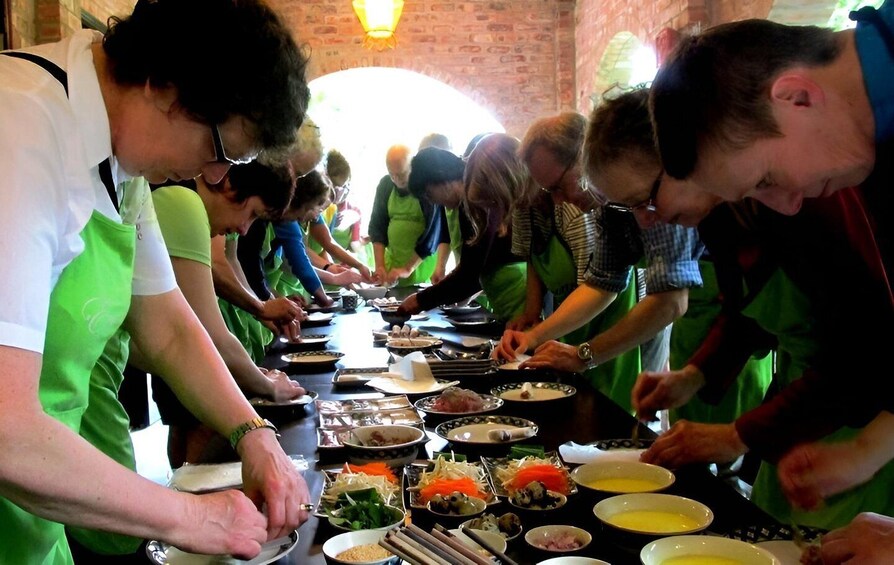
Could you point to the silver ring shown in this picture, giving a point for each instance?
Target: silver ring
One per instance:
(306, 507)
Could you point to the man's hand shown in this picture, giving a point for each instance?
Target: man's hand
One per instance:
(220, 523)
(555, 355)
(690, 442)
(280, 310)
(523, 321)
(410, 305)
(812, 472)
(512, 344)
(284, 388)
(867, 540)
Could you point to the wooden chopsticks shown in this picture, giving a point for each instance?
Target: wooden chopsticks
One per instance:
(439, 547)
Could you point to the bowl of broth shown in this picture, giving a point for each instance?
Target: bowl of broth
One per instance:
(653, 514)
(622, 477)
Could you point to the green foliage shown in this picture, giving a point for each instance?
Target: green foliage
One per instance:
(840, 20)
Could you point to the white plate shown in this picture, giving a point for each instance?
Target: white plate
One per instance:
(313, 357)
(161, 553)
(426, 404)
(400, 386)
(475, 429)
(786, 551)
(319, 317)
(300, 401)
(217, 476)
(307, 340)
(540, 392)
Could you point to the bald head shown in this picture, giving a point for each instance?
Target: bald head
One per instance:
(397, 160)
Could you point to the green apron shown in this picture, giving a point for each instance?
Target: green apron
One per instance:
(787, 315)
(688, 333)
(253, 336)
(506, 290)
(106, 426)
(87, 305)
(555, 267)
(406, 223)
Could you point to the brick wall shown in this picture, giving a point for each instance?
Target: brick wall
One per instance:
(513, 57)
(42, 21)
(102, 9)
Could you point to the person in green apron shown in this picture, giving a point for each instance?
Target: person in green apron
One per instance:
(189, 216)
(551, 151)
(436, 176)
(405, 232)
(76, 267)
(777, 275)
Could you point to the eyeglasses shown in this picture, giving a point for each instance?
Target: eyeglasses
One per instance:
(220, 156)
(558, 184)
(648, 205)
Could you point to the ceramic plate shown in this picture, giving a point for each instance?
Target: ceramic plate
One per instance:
(426, 404)
(496, 465)
(471, 321)
(161, 553)
(413, 474)
(402, 345)
(475, 429)
(399, 386)
(356, 376)
(540, 392)
(313, 357)
(318, 318)
(407, 417)
(300, 401)
(308, 340)
(786, 551)
(777, 539)
(514, 365)
(454, 310)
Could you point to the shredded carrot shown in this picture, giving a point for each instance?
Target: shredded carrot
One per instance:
(446, 487)
(551, 476)
(377, 468)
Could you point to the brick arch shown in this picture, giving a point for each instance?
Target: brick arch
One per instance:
(802, 12)
(616, 63)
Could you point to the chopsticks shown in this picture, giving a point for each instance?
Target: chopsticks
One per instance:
(504, 559)
(439, 547)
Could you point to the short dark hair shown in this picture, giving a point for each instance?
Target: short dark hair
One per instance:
(310, 188)
(619, 128)
(274, 184)
(433, 166)
(713, 88)
(224, 57)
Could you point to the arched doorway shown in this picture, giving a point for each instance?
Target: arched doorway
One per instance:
(361, 112)
(627, 62)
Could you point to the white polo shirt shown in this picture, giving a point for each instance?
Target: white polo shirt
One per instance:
(50, 150)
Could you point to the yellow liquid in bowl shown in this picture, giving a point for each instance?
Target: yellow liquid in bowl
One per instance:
(652, 521)
(700, 560)
(623, 485)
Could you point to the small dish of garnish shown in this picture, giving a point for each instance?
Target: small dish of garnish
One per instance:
(558, 539)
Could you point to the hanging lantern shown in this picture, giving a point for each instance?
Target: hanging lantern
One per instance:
(379, 19)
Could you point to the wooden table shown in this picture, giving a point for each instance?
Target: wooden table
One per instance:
(585, 417)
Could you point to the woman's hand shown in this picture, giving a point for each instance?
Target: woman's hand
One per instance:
(523, 321)
(220, 523)
(283, 388)
(410, 305)
(280, 310)
(511, 345)
(867, 540)
(812, 472)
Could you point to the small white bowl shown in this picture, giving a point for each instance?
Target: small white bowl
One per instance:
(560, 502)
(573, 560)
(492, 539)
(478, 507)
(622, 477)
(467, 524)
(404, 442)
(372, 292)
(661, 550)
(342, 542)
(544, 533)
(654, 514)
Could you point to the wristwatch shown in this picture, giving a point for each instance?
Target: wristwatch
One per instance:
(251, 425)
(585, 354)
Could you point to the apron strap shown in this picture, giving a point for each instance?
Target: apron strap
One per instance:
(105, 168)
(45, 64)
(868, 14)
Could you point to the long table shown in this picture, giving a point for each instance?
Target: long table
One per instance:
(586, 417)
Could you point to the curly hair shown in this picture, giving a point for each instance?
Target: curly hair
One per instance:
(217, 54)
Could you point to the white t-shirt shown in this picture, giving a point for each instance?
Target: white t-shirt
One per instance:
(50, 150)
